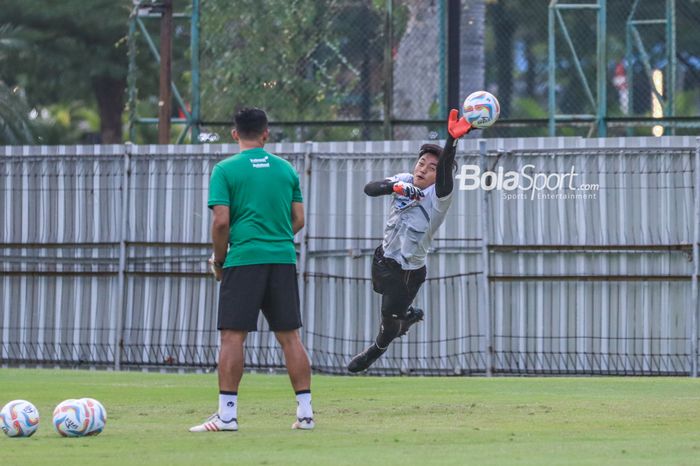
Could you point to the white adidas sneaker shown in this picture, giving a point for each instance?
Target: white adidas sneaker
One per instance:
(215, 424)
(303, 423)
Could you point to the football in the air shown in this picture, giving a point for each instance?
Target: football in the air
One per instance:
(19, 418)
(481, 109)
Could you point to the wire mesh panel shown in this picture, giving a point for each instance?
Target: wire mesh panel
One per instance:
(59, 225)
(344, 228)
(170, 315)
(57, 321)
(104, 258)
(600, 263)
(347, 319)
(622, 197)
(583, 327)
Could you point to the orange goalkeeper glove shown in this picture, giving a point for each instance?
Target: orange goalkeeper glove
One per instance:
(457, 128)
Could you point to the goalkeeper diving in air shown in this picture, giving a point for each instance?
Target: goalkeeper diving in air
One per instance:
(419, 203)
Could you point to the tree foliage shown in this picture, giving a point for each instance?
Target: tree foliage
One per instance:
(299, 59)
(306, 60)
(14, 124)
(14, 111)
(78, 55)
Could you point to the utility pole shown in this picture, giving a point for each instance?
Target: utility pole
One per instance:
(166, 58)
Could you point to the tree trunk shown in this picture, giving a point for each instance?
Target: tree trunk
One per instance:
(471, 47)
(416, 68)
(109, 93)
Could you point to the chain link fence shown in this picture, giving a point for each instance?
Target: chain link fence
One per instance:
(377, 69)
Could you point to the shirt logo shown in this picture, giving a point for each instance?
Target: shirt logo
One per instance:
(260, 163)
(403, 203)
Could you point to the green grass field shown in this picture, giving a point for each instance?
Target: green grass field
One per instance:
(365, 420)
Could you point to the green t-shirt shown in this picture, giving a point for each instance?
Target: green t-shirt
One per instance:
(259, 189)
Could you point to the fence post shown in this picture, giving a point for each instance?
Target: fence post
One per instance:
(696, 268)
(601, 71)
(552, 70)
(304, 247)
(121, 281)
(485, 301)
(195, 115)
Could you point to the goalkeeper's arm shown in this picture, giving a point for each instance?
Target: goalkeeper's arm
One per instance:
(379, 188)
(444, 176)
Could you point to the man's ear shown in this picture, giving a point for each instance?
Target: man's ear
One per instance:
(265, 135)
(234, 135)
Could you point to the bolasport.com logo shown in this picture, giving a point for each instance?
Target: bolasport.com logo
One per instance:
(527, 183)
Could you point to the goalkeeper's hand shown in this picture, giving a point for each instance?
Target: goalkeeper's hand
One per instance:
(457, 127)
(216, 269)
(407, 189)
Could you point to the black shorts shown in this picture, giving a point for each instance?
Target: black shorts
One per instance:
(247, 289)
(398, 287)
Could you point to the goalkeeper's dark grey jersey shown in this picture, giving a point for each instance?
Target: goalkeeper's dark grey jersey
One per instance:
(411, 225)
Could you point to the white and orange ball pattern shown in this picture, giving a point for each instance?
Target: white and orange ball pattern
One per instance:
(97, 415)
(19, 418)
(481, 109)
(71, 418)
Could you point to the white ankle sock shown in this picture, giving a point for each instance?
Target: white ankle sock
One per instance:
(304, 404)
(228, 405)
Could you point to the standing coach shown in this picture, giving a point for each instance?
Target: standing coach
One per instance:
(257, 207)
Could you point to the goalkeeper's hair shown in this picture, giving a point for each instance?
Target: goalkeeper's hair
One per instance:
(436, 151)
(250, 122)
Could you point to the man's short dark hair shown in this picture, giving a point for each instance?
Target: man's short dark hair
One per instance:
(431, 149)
(250, 122)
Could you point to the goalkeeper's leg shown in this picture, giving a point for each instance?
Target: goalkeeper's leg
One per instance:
(393, 304)
(398, 288)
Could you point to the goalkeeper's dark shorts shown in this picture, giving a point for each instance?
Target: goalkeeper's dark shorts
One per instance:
(248, 289)
(398, 287)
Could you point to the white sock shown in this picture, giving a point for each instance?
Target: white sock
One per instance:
(228, 406)
(304, 404)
